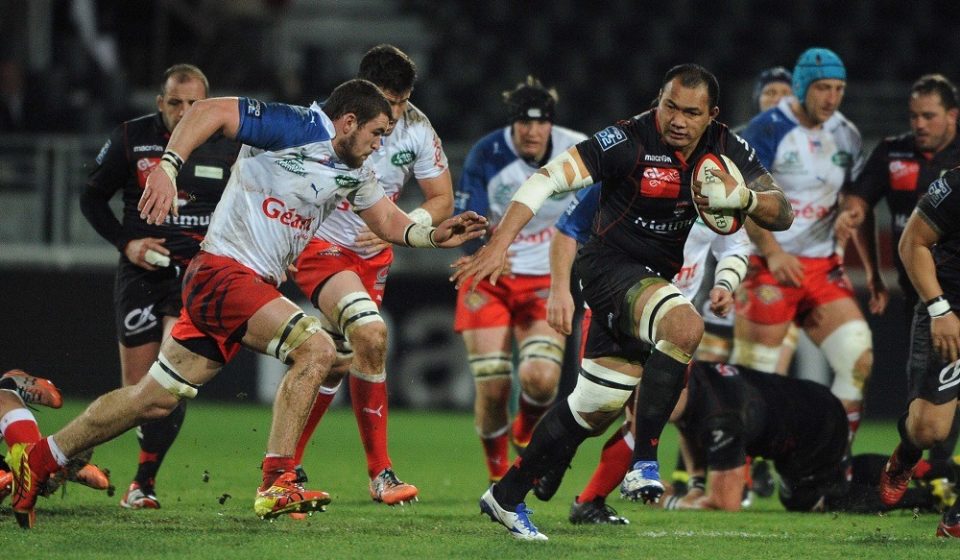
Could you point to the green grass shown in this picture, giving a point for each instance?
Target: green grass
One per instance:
(439, 453)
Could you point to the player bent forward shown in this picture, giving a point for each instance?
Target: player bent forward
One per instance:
(297, 165)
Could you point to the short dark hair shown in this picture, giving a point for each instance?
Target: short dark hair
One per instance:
(531, 100)
(360, 97)
(693, 75)
(184, 73)
(389, 68)
(939, 84)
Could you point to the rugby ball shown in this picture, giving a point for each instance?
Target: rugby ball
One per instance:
(724, 221)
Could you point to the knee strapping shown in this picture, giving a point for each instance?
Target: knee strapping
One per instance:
(599, 389)
(356, 309)
(660, 303)
(542, 348)
(755, 356)
(714, 345)
(843, 348)
(494, 365)
(292, 333)
(340, 342)
(168, 378)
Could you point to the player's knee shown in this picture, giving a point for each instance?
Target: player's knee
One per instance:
(316, 352)
(490, 366)
(369, 342)
(849, 351)
(540, 360)
(600, 393)
(927, 427)
(668, 315)
(683, 326)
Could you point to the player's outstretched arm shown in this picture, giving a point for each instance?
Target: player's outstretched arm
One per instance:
(201, 121)
(563, 173)
(392, 224)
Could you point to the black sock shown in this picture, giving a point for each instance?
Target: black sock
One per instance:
(909, 453)
(941, 453)
(663, 379)
(156, 438)
(556, 438)
(681, 466)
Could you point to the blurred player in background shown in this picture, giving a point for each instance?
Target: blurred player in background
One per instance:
(296, 166)
(343, 271)
(797, 275)
(642, 325)
(899, 170)
(928, 248)
(153, 257)
(493, 317)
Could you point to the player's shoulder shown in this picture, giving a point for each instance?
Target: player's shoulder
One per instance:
(494, 144)
(414, 118)
(771, 125)
(841, 127)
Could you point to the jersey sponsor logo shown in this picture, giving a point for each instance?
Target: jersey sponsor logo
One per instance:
(657, 158)
(654, 225)
(254, 108)
(276, 209)
(208, 172)
(949, 376)
(904, 174)
(406, 157)
(610, 137)
(103, 152)
(938, 191)
(720, 440)
(184, 220)
(842, 159)
(542, 236)
(789, 163)
(148, 148)
(810, 211)
(660, 182)
(685, 277)
(726, 370)
(294, 164)
(144, 167)
(346, 181)
(139, 320)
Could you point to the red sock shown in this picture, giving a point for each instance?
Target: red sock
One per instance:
(614, 464)
(495, 452)
(853, 420)
(273, 467)
(19, 426)
(320, 407)
(369, 400)
(42, 460)
(528, 415)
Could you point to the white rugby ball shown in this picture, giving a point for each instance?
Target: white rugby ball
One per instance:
(724, 221)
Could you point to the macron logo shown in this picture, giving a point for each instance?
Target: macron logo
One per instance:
(659, 158)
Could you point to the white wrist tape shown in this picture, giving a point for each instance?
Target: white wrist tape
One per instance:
(421, 216)
(730, 272)
(156, 259)
(938, 307)
(561, 174)
(417, 235)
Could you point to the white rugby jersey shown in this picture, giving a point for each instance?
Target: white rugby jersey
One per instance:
(287, 179)
(413, 149)
(702, 242)
(493, 172)
(811, 166)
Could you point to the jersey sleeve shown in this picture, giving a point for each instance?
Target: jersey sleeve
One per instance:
(369, 193)
(472, 189)
(577, 219)
(872, 184)
(941, 203)
(723, 441)
(277, 126)
(609, 154)
(733, 245)
(431, 159)
(111, 172)
(746, 157)
(760, 135)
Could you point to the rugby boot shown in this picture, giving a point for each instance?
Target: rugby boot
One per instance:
(517, 521)
(763, 483)
(26, 483)
(140, 497)
(894, 479)
(595, 512)
(32, 389)
(949, 527)
(386, 488)
(643, 483)
(286, 496)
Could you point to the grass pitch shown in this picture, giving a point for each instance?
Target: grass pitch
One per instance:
(208, 481)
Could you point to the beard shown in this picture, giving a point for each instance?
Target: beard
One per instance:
(350, 155)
